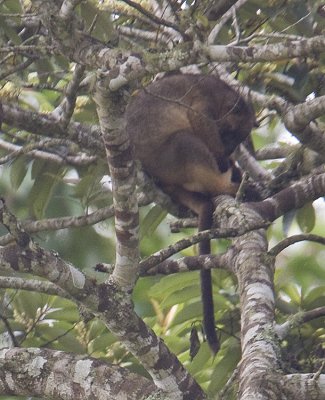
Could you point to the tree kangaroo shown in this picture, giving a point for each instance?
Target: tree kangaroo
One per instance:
(184, 128)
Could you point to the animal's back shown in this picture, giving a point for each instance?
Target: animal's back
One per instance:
(163, 108)
(203, 116)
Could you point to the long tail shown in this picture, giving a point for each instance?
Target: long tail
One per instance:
(205, 222)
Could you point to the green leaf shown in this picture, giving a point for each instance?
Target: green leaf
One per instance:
(230, 355)
(181, 296)
(89, 186)
(52, 331)
(306, 217)
(190, 311)
(202, 19)
(172, 283)
(102, 30)
(152, 220)
(43, 68)
(9, 30)
(46, 177)
(66, 313)
(315, 298)
(61, 335)
(101, 343)
(96, 328)
(292, 290)
(141, 297)
(27, 303)
(12, 6)
(18, 171)
(202, 358)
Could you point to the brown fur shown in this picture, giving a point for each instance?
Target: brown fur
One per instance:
(184, 128)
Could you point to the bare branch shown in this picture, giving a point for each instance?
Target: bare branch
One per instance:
(151, 16)
(255, 286)
(274, 151)
(295, 239)
(53, 224)
(249, 164)
(67, 8)
(39, 373)
(42, 124)
(65, 110)
(270, 52)
(15, 150)
(185, 264)
(123, 175)
(297, 320)
(142, 34)
(299, 116)
(182, 244)
(32, 285)
(303, 385)
(223, 20)
(295, 196)
(33, 51)
(19, 67)
(115, 311)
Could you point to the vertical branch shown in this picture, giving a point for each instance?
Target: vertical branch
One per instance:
(110, 107)
(66, 108)
(254, 272)
(259, 343)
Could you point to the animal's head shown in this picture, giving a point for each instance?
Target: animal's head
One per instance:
(236, 119)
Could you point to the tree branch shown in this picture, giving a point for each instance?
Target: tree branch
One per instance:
(106, 302)
(66, 108)
(15, 151)
(294, 239)
(271, 52)
(294, 321)
(123, 174)
(185, 264)
(151, 16)
(182, 244)
(88, 137)
(295, 196)
(304, 386)
(223, 20)
(255, 281)
(32, 285)
(55, 374)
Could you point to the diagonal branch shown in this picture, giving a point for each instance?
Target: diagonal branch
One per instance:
(41, 124)
(151, 16)
(223, 20)
(294, 321)
(295, 196)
